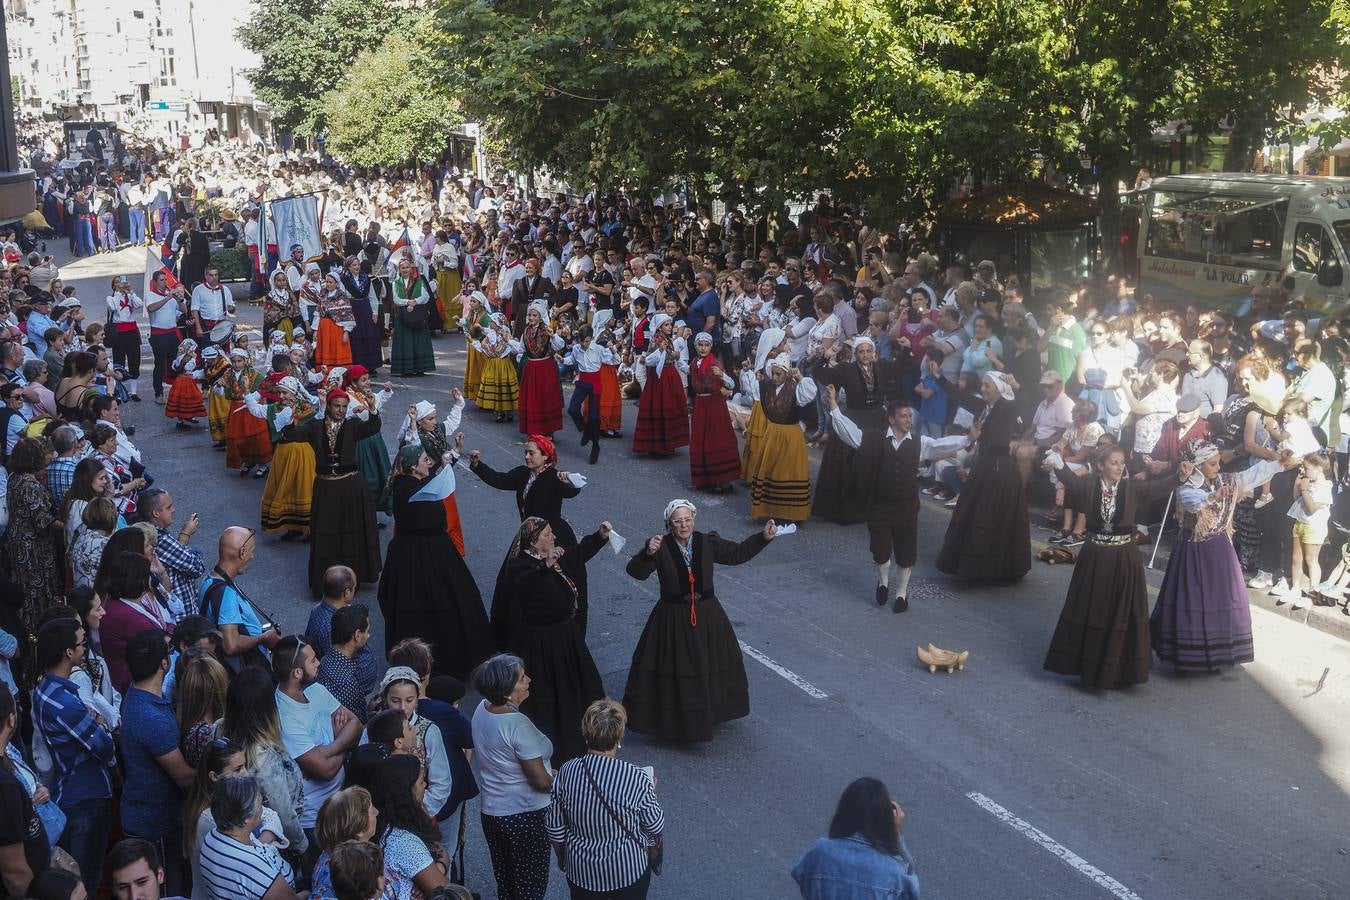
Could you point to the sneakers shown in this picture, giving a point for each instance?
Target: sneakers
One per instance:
(1263, 500)
(245, 469)
(950, 504)
(1296, 599)
(1072, 541)
(931, 491)
(1261, 580)
(1058, 537)
(1280, 589)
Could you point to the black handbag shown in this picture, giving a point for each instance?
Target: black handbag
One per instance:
(415, 318)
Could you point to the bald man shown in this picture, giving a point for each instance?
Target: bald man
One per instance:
(247, 634)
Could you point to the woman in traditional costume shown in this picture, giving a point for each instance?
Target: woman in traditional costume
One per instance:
(372, 454)
(336, 322)
(185, 396)
(1102, 635)
(289, 492)
(214, 366)
(445, 262)
(540, 389)
(426, 590)
(411, 353)
(989, 535)
(663, 410)
(342, 515)
(534, 611)
(866, 383)
(498, 386)
(421, 427)
(476, 325)
(365, 335)
(687, 673)
(247, 443)
(1203, 619)
(775, 464)
(714, 456)
(281, 309)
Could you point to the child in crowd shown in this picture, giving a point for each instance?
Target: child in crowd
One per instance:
(1311, 512)
(932, 413)
(1293, 432)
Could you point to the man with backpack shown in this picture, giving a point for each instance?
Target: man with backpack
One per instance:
(247, 633)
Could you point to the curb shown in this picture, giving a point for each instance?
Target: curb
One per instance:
(1326, 619)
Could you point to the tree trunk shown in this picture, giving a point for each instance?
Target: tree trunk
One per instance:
(1108, 218)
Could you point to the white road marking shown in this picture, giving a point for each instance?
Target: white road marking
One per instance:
(1040, 837)
(797, 680)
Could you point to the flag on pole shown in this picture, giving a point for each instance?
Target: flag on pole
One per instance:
(404, 240)
(295, 220)
(153, 265)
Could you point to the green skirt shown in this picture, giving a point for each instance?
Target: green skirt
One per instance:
(412, 350)
(372, 460)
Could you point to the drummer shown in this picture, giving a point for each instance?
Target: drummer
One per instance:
(212, 305)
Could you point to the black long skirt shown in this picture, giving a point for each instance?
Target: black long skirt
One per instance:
(563, 682)
(834, 500)
(1103, 634)
(685, 679)
(342, 529)
(427, 591)
(989, 536)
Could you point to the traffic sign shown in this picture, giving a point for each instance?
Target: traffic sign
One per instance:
(168, 105)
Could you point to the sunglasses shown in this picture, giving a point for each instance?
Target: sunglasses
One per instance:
(295, 655)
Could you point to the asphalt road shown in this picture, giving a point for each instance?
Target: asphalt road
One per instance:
(1016, 783)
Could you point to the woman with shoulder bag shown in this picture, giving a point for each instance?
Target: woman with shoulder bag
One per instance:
(604, 820)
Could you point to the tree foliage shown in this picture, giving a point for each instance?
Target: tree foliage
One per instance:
(384, 113)
(884, 101)
(306, 48)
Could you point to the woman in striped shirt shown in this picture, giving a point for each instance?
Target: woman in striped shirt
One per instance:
(604, 821)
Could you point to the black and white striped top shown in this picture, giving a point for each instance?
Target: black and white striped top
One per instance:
(602, 854)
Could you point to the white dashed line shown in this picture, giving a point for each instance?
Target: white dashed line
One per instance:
(797, 680)
(1040, 837)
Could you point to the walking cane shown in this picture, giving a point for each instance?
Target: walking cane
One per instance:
(1162, 526)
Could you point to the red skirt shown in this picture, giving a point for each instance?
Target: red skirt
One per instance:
(611, 399)
(247, 441)
(185, 399)
(540, 397)
(714, 457)
(663, 414)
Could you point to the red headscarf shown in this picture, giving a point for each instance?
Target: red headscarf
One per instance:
(545, 447)
(354, 373)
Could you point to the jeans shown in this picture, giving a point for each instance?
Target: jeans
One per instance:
(450, 829)
(84, 236)
(107, 231)
(136, 222)
(88, 824)
(163, 222)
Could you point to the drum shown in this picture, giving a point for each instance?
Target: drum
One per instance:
(222, 331)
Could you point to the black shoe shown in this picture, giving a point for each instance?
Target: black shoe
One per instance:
(290, 535)
(585, 438)
(595, 452)
(136, 398)
(882, 591)
(218, 445)
(899, 605)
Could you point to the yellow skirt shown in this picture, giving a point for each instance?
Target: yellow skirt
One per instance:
(290, 488)
(499, 389)
(448, 296)
(776, 467)
(473, 371)
(217, 415)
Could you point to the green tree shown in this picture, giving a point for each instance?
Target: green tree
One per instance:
(306, 47)
(384, 113)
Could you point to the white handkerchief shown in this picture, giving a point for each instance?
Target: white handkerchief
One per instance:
(578, 480)
(616, 541)
(789, 528)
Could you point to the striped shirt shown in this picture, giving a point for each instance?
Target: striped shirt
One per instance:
(235, 871)
(602, 854)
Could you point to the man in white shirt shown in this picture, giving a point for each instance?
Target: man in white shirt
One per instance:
(211, 302)
(251, 245)
(163, 306)
(512, 271)
(316, 729)
(1053, 416)
(124, 333)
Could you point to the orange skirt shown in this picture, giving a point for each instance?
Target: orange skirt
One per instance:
(247, 440)
(332, 350)
(452, 526)
(185, 400)
(611, 399)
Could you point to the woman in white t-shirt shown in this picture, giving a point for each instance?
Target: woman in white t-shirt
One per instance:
(511, 765)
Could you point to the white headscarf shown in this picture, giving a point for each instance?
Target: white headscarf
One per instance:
(658, 320)
(861, 339)
(278, 336)
(702, 338)
(781, 361)
(674, 505)
(188, 345)
(1001, 382)
(420, 411)
(242, 354)
(311, 267)
(290, 383)
(768, 340)
(541, 307)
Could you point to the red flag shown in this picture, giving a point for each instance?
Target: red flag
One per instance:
(153, 264)
(404, 240)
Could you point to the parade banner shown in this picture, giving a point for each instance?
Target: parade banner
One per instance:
(296, 221)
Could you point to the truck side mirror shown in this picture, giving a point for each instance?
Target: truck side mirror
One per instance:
(1329, 272)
